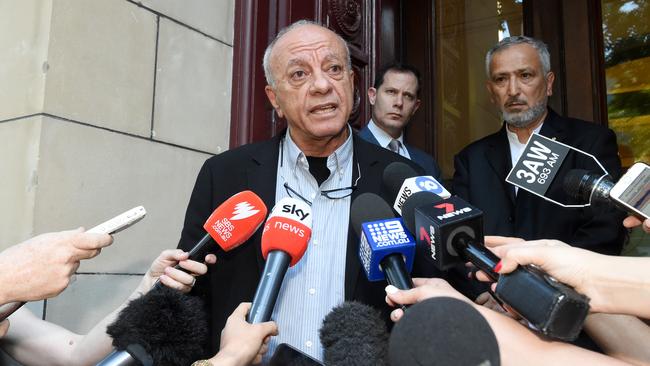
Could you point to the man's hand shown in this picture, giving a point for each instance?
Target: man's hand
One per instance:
(424, 288)
(163, 269)
(41, 267)
(633, 221)
(241, 342)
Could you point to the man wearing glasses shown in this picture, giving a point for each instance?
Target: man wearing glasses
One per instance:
(319, 160)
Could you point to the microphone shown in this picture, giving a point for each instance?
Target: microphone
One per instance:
(354, 334)
(453, 230)
(284, 241)
(164, 327)
(401, 181)
(229, 225)
(386, 249)
(443, 331)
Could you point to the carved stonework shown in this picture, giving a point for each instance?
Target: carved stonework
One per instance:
(356, 110)
(346, 16)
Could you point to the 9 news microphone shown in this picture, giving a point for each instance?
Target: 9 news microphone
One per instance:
(401, 181)
(284, 241)
(229, 225)
(453, 230)
(443, 331)
(164, 327)
(354, 334)
(386, 249)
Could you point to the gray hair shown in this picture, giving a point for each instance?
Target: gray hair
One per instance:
(266, 61)
(539, 46)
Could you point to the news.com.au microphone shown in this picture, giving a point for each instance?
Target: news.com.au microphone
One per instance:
(354, 334)
(453, 230)
(401, 181)
(284, 241)
(631, 193)
(443, 331)
(229, 225)
(386, 249)
(164, 327)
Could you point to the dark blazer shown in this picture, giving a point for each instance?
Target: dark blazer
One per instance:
(481, 169)
(418, 156)
(235, 277)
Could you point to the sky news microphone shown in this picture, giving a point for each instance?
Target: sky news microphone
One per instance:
(386, 249)
(229, 225)
(164, 327)
(284, 241)
(401, 181)
(354, 334)
(453, 230)
(443, 331)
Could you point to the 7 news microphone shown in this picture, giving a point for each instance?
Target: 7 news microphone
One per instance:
(386, 249)
(229, 225)
(284, 241)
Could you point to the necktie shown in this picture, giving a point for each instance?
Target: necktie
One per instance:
(393, 146)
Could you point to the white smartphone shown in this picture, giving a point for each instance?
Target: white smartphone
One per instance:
(633, 190)
(120, 222)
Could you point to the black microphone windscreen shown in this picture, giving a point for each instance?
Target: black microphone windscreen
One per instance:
(578, 183)
(443, 331)
(416, 200)
(354, 334)
(171, 326)
(368, 207)
(394, 175)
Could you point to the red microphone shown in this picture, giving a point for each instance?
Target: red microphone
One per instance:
(284, 241)
(230, 224)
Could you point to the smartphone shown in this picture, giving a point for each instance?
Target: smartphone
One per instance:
(120, 222)
(632, 191)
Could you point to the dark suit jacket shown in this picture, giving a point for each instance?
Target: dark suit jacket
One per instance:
(418, 156)
(481, 169)
(235, 277)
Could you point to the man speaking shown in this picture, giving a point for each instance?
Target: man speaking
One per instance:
(318, 160)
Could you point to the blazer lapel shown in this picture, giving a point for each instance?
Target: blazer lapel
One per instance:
(262, 177)
(553, 127)
(498, 157)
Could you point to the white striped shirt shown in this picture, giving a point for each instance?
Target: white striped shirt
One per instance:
(316, 283)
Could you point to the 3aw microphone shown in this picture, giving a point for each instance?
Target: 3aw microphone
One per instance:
(443, 331)
(164, 327)
(354, 334)
(229, 225)
(401, 181)
(386, 249)
(284, 241)
(453, 230)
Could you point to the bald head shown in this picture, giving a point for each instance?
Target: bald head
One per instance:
(299, 26)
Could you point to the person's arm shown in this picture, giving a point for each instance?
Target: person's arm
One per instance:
(614, 284)
(624, 337)
(32, 341)
(243, 343)
(41, 267)
(517, 344)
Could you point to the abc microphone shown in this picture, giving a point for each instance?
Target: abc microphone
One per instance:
(453, 230)
(229, 225)
(401, 181)
(284, 241)
(386, 250)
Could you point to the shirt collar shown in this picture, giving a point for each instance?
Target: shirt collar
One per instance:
(336, 162)
(382, 137)
(514, 140)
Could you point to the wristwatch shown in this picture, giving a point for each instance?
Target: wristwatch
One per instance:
(202, 363)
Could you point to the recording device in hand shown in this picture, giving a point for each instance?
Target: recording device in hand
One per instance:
(453, 230)
(354, 334)
(443, 331)
(631, 193)
(229, 225)
(386, 249)
(164, 327)
(284, 241)
(401, 181)
(112, 226)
